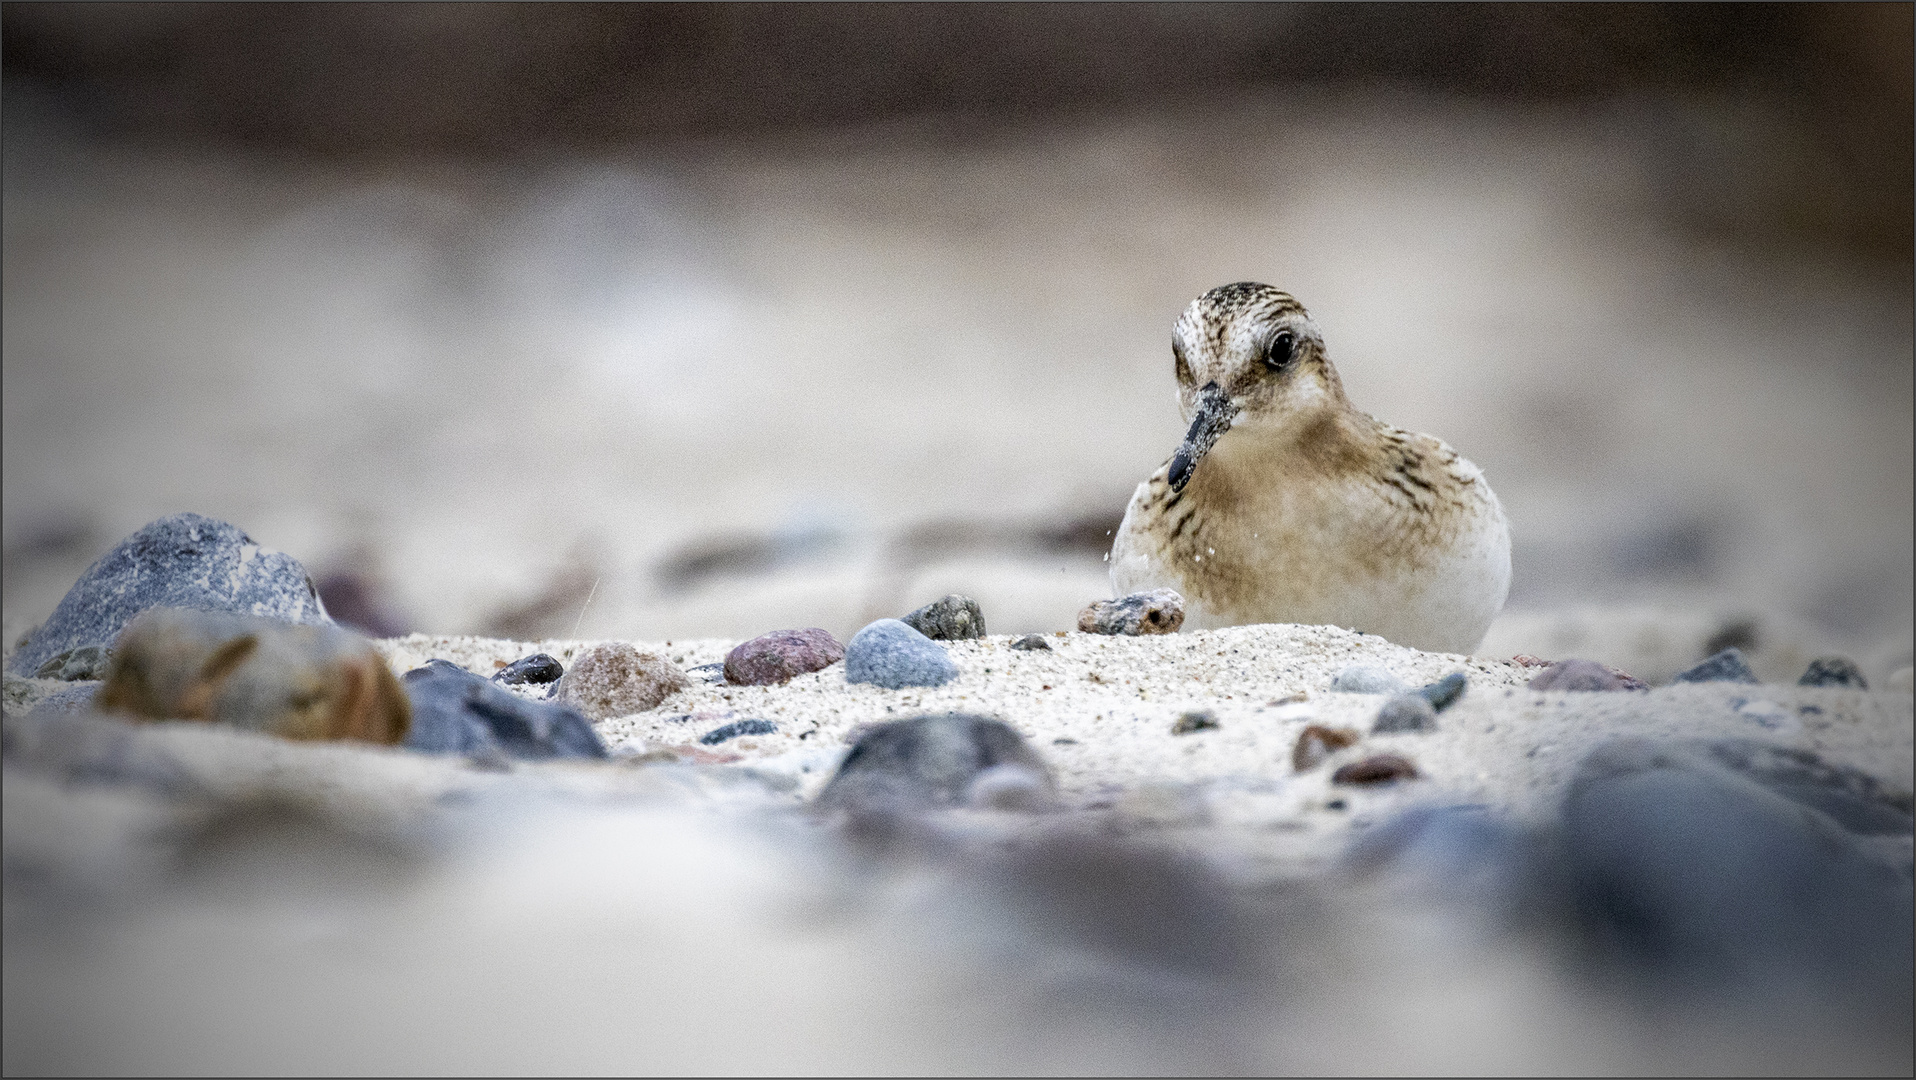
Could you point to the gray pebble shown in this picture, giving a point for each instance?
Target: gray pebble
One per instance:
(1833, 671)
(183, 561)
(1159, 611)
(736, 728)
(954, 618)
(1444, 693)
(1364, 679)
(890, 654)
(457, 712)
(537, 668)
(931, 761)
(1032, 643)
(1726, 666)
(1194, 721)
(1405, 713)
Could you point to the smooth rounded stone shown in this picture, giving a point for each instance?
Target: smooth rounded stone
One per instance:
(1833, 671)
(457, 712)
(892, 655)
(1365, 679)
(954, 618)
(1444, 693)
(737, 728)
(615, 679)
(85, 662)
(1010, 787)
(183, 561)
(1193, 722)
(1405, 713)
(1680, 868)
(777, 657)
(1726, 666)
(1316, 743)
(1463, 853)
(256, 673)
(1376, 769)
(927, 761)
(1032, 643)
(535, 669)
(1578, 675)
(1159, 611)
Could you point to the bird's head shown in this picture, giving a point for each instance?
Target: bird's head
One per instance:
(1246, 354)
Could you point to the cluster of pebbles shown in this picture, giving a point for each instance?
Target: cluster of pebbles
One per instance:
(1143, 791)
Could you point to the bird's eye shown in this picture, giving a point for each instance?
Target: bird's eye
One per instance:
(1280, 352)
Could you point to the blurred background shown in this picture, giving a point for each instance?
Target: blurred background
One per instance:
(667, 321)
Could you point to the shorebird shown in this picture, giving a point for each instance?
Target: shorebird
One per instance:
(1284, 503)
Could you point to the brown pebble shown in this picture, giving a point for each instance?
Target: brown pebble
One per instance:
(615, 679)
(1583, 675)
(1159, 611)
(1527, 660)
(1376, 769)
(1316, 743)
(777, 657)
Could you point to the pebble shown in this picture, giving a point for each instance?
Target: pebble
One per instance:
(1195, 721)
(1833, 671)
(183, 561)
(256, 673)
(457, 712)
(1159, 611)
(1444, 693)
(1032, 643)
(85, 662)
(892, 655)
(1405, 713)
(954, 618)
(1317, 743)
(1726, 666)
(927, 761)
(777, 657)
(1010, 786)
(1364, 679)
(1580, 675)
(736, 728)
(537, 668)
(1376, 769)
(615, 679)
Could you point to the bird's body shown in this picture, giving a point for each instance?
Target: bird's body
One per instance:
(1287, 504)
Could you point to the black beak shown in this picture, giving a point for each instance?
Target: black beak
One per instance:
(1214, 415)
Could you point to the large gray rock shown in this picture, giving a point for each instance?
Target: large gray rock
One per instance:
(457, 712)
(929, 761)
(890, 654)
(183, 561)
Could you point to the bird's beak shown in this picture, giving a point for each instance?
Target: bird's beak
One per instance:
(1215, 413)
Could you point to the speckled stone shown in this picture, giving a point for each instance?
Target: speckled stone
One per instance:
(777, 657)
(737, 728)
(615, 679)
(953, 618)
(1159, 611)
(890, 654)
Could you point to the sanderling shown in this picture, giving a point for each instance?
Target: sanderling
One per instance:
(1284, 503)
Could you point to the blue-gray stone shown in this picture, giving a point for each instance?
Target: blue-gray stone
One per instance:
(1726, 666)
(1405, 713)
(74, 665)
(457, 712)
(1364, 679)
(1443, 693)
(890, 654)
(926, 761)
(184, 561)
(736, 728)
(1833, 671)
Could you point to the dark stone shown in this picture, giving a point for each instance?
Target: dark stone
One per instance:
(1833, 671)
(537, 668)
(457, 712)
(954, 618)
(1684, 870)
(1032, 643)
(1582, 675)
(1726, 666)
(926, 761)
(890, 654)
(736, 728)
(74, 665)
(1443, 693)
(184, 561)
(1405, 713)
(1376, 769)
(778, 656)
(1316, 743)
(1159, 611)
(1194, 721)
